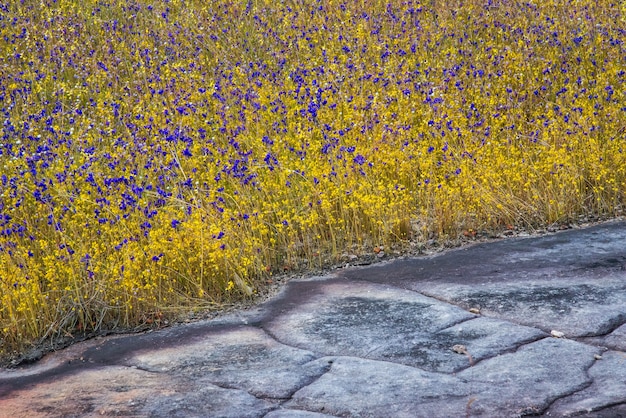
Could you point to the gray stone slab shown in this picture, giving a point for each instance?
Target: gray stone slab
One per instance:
(356, 387)
(127, 391)
(615, 340)
(574, 281)
(243, 358)
(206, 400)
(294, 413)
(523, 382)
(615, 411)
(529, 380)
(590, 251)
(578, 307)
(482, 337)
(376, 322)
(365, 320)
(608, 388)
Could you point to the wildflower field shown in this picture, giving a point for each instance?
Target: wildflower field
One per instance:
(161, 156)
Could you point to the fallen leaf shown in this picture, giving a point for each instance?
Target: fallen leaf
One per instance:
(461, 349)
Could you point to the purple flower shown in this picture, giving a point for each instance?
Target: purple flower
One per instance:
(359, 159)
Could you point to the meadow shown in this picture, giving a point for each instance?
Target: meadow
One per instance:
(161, 157)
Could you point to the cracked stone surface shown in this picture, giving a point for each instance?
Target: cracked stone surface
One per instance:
(356, 387)
(382, 323)
(615, 340)
(531, 378)
(608, 375)
(244, 358)
(126, 391)
(467, 332)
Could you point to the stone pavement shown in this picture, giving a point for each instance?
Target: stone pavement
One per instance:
(523, 326)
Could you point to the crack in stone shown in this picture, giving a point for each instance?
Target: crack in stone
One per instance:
(599, 344)
(144, 369)
(474, 363)
(184, 381)
(297, 409)
(454, 324)
(312, 380)
(621, 320)
(610, 328)
(421, 293)
(270, 334)
(547, 331)
(280, 400)
(273, 336)
(588, 384)
(434, 296)
(511, 350)
(430, 296)
(607, 406)
(400, 364)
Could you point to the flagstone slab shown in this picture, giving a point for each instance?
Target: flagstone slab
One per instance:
(383, 389)
(128, 391)
(528, 380)
(608, 388)
(576, 306)
(294, 413)
(615, 340)
(244, 358)
(369, 321)
(573, 282)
